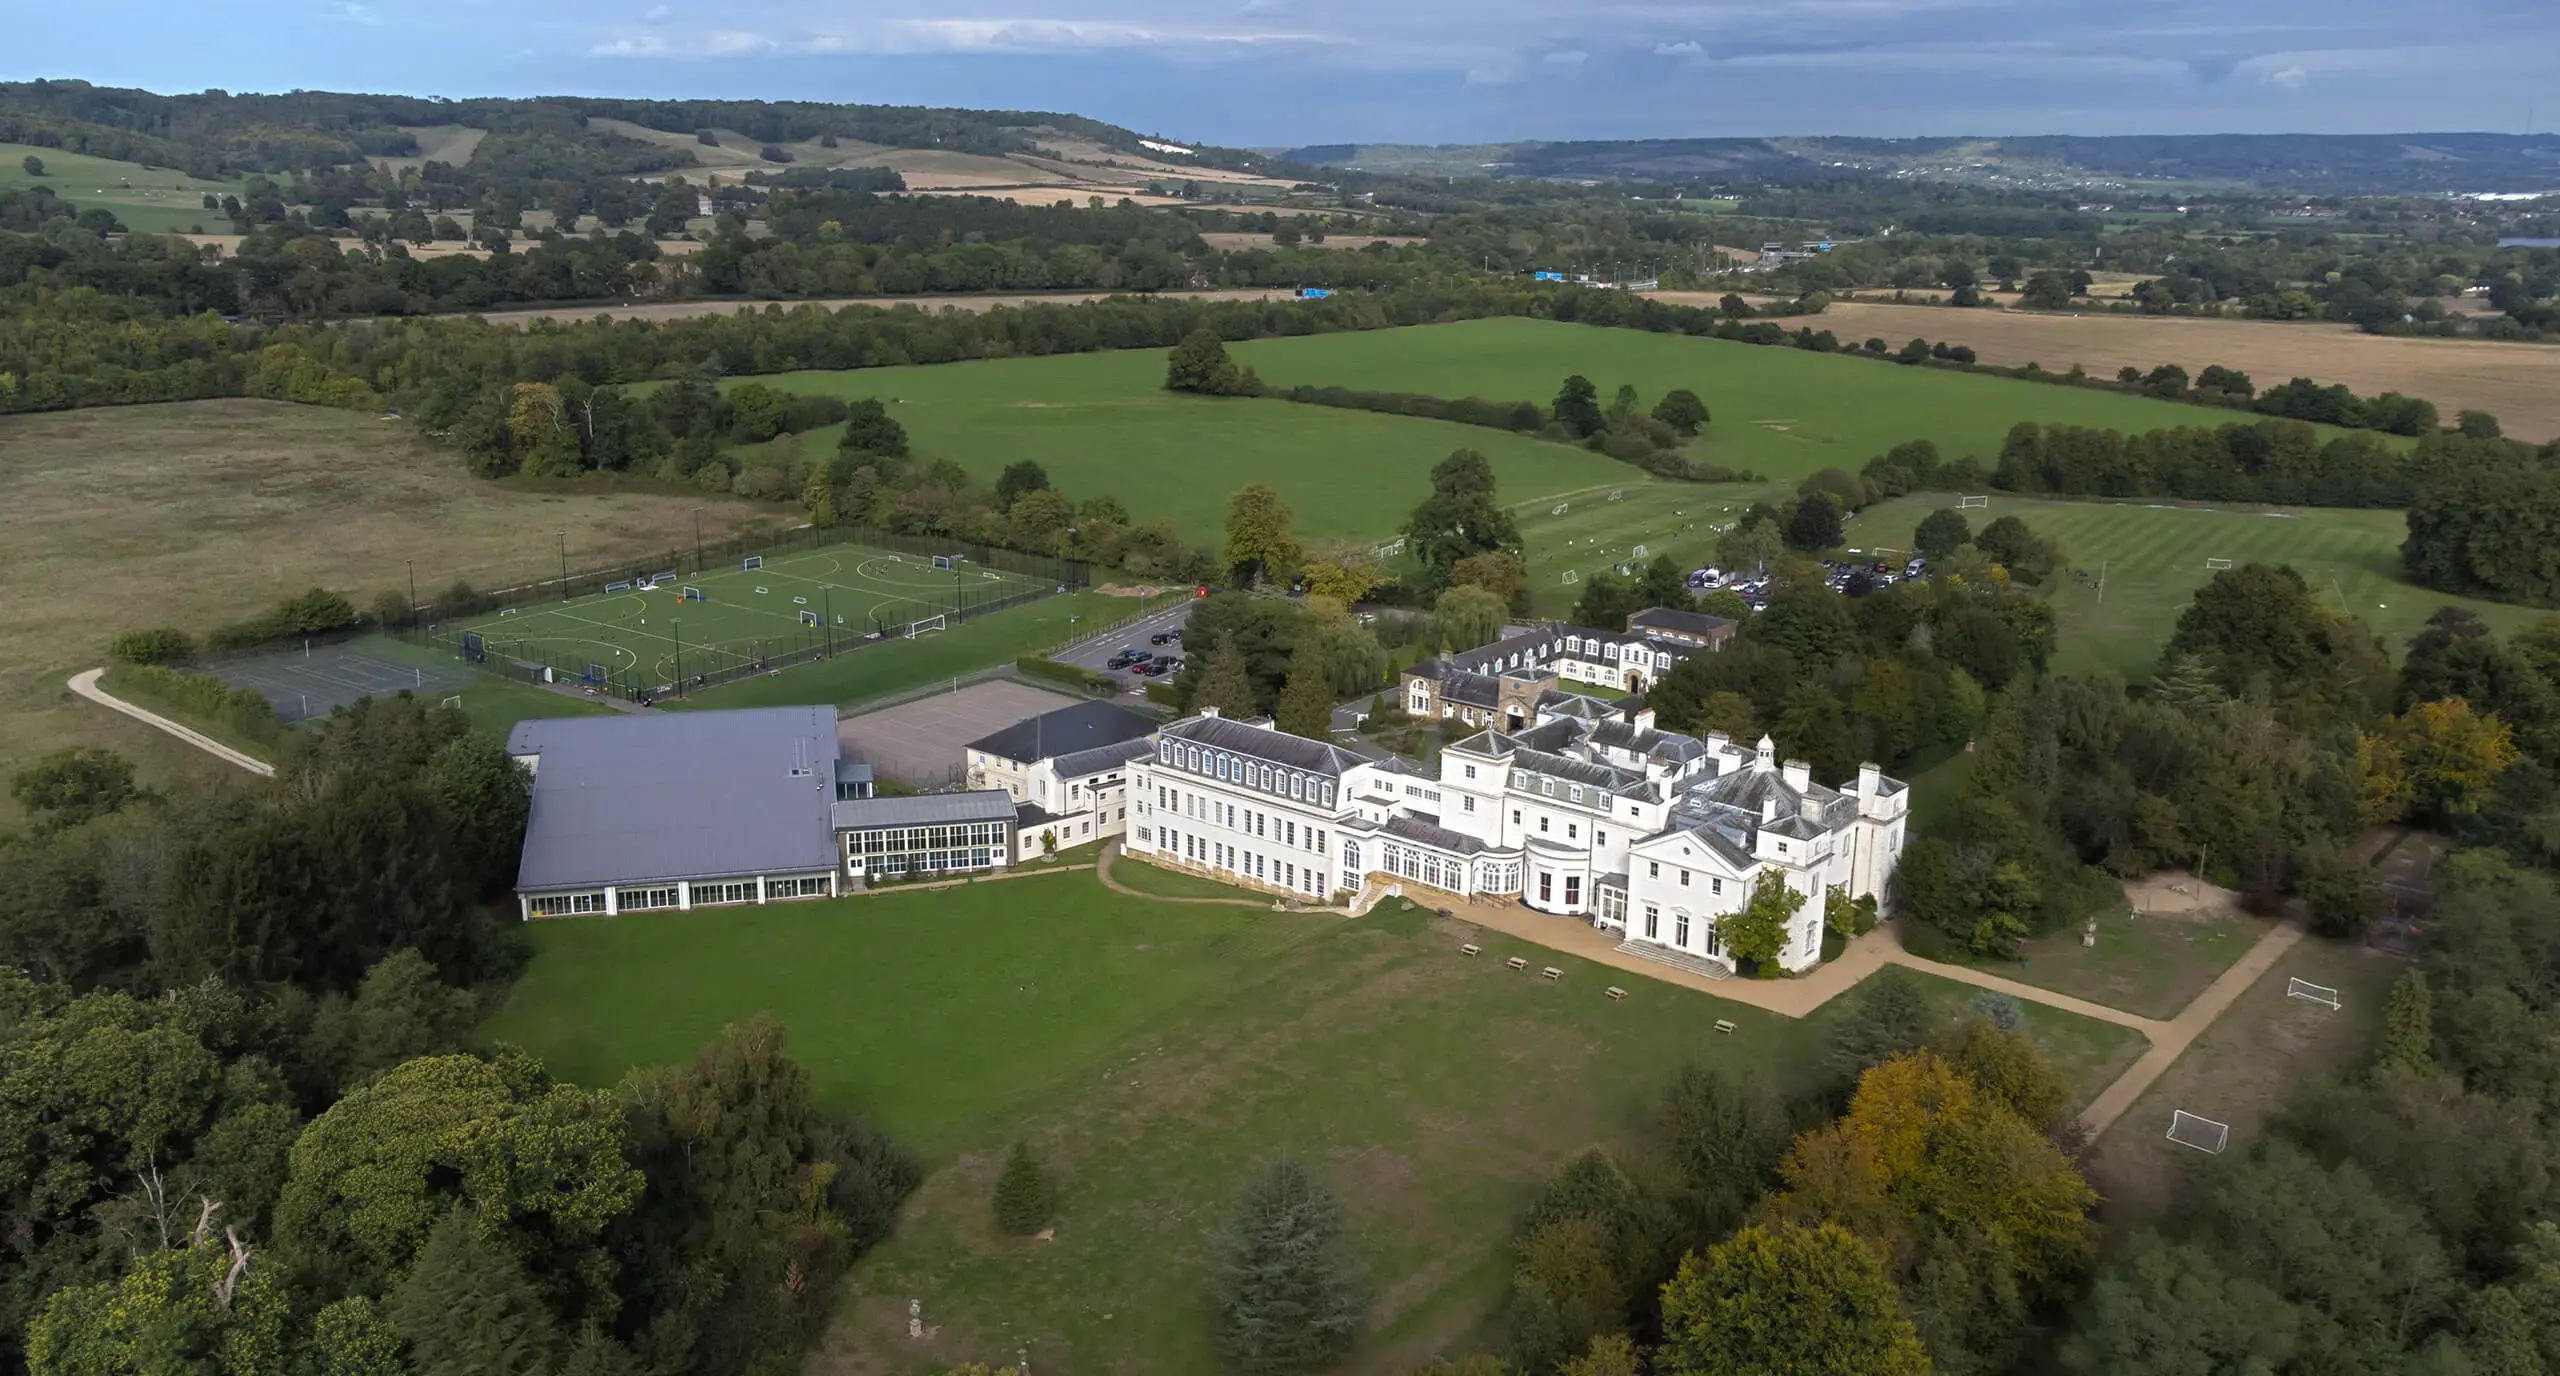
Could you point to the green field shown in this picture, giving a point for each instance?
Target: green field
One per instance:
(1103, 424)
(2153, 558)
(841, 594)
(152, 200)
(1153, 1053)
(1780, 412)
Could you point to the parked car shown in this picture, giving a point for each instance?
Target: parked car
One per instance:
(1161, 638)
(1125, 658)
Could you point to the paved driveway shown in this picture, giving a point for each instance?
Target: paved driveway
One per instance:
(1097, 651)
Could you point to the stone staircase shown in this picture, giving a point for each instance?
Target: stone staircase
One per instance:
(1677, 960)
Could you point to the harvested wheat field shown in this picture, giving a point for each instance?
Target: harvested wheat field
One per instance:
(686, 310)
(2519, 383)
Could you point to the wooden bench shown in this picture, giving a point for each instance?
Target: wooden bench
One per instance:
(1552, 972)
(1517, 963)
(1723, 1026)
(1616, 993)
(1471, 949)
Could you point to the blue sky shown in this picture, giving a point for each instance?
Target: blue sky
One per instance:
(1264, 72)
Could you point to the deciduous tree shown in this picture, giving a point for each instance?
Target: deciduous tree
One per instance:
(1260, 544)
(1817, 1301)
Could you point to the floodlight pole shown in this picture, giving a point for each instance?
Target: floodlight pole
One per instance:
(827, 617)
(564, 565)
(678, 623)
(412, 566)
(697, 539)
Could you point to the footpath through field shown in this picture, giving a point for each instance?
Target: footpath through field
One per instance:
(85, 683)
(1797, 998)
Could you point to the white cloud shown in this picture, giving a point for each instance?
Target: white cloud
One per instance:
(2292, 78)
(655, 13)
(1570, 58)
(1687, 47)
(1022, 35)
(348, 13)
(712, 44)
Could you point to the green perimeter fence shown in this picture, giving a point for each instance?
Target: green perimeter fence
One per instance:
(490, 653)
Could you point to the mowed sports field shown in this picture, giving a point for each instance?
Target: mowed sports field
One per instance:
(149, 200)
(658, 636)
(2153, 558)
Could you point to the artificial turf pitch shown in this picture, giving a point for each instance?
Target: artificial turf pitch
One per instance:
(746, 616)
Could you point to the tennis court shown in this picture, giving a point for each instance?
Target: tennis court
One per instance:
(662, 631)
(310, 682)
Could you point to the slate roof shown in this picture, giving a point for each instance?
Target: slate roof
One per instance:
(1085, 726)
(1101, 758)
(656, 797)
(1264, 744)
(1685, 623)
(1415, 829)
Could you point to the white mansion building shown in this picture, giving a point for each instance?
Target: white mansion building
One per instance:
(1570, 804)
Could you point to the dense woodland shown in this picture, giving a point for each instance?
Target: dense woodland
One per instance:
(244, 1129)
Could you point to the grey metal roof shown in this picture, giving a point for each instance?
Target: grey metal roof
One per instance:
(1085, 726)
(662, 796)
(924, 810)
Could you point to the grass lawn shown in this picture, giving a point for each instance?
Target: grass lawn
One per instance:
(2089, 1053)
(2152, 966)
(1165, 883)
(193, 514)
(1781, 412)
(2241, 1070)
(151, 200)
(1103, 424)
(1153, 1054)
(2153, 558)
(891, 666)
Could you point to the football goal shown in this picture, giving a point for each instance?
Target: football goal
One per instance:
(808, 618)
(752, 561)
(2213, 564)
(1636, 553)
(1965, 503)
(1618, 494)
(454, 701)
(2308, 992)
(623, 586)
(917, 628)
(2202, 1134)
(1389, 549)
(943, 561)
(688, 593)
(1561, 508)
(655, 579)
(1571, 577)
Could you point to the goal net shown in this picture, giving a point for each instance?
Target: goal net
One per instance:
(2211, 564)
(688, 593)
(2308, 992)
(623, 586)
(655, 579)
(917, 628)
(752, 561)
(808, 618)
(942, 561)
(1571, 577)
(1617, 494)
(2202, 1134)
(1561, 508)
(1637, 552)
(1968, 503)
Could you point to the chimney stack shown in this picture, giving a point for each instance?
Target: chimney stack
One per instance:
(1798, 774)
